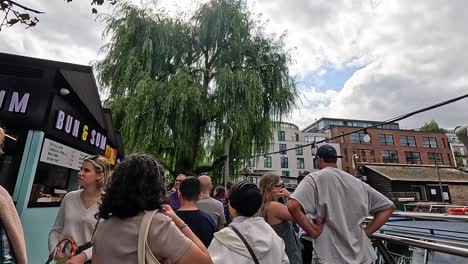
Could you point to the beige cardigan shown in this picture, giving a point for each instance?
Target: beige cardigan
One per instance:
(12, 224)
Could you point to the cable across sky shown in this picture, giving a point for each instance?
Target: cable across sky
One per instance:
(364, 129)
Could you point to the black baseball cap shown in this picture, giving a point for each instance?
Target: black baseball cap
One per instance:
(326, 152)
(246, 198)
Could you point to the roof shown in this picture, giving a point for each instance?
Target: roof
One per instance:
(84, 85)
(419, 173)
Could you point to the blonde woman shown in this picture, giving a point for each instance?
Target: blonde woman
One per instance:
(76, 217)
(13, 248)
(277, 215)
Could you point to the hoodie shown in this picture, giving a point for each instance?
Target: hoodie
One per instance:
(228, 248)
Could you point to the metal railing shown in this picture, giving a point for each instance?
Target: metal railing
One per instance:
(432, 241)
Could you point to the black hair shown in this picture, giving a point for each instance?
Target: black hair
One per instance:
(330, 159)
(137, 185)
(246, 198)
(190, 188)
(229, 186)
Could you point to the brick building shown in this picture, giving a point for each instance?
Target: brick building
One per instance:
(388, 143)
(393, 146)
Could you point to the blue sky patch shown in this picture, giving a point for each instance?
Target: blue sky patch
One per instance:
(328, 78)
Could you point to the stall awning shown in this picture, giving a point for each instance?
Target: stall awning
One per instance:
(83, 85)
(419, 173)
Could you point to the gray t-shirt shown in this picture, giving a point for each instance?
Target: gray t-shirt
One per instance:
(345, 202)
(213, 208)
(116, 240)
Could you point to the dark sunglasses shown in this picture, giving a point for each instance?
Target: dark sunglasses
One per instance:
(279, 185)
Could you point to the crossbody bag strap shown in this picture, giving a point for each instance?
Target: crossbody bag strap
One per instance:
(145, 256)
(246, 244)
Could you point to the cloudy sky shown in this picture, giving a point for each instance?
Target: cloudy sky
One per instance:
(358, 59)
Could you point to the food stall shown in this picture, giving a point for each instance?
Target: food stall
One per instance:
(53, 118)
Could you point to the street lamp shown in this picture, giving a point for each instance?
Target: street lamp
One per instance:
(440, 181)
(227, 144)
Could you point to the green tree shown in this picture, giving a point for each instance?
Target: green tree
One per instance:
(431, 127)
(173, 83)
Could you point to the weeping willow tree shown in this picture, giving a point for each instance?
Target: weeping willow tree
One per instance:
(174, 83)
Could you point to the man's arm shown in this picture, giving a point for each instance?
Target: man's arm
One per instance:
(295, 209)
(380, 218)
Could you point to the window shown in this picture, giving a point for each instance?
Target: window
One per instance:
(412, 157)
(267, 162)
(390, 156)
(284, 162)
(386, 140)
(300, 163)
(357, 138)
(365, 155)
(435, 158)
(408, 141)
(299, 150)
(251, 163)
(296, 136)
(430, 142)
(285, 173)
(315, 164)
(281, 136)
(282, 148)
(10, 161)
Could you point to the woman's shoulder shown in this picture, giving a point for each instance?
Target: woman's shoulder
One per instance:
(71, 195)
(274, 205)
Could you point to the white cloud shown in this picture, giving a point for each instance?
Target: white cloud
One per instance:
(414, 52)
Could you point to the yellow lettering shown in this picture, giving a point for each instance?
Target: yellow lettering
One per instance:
(84, 135)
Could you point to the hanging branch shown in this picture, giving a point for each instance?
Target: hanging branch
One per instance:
(18, 13)
(15, 13)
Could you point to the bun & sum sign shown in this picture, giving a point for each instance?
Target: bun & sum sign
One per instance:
(76, 128)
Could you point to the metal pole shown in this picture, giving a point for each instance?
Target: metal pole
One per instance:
(227, 144)
(440, 183)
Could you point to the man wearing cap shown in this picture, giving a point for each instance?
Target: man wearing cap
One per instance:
(342, 202)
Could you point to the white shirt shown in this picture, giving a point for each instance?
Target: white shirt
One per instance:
(228, 248)
(75, 221)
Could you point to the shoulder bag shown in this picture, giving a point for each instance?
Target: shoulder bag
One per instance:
(145, 256)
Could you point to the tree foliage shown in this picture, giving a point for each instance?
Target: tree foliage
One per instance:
(431, 127)
(173, 83)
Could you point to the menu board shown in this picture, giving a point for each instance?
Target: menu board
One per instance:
(58, 154)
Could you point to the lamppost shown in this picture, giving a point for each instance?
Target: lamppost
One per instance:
(440, 181)
(227, 144)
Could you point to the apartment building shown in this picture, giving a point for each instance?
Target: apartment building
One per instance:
(384, 144)
(289, 164)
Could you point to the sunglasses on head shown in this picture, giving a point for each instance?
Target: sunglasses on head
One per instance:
(281, 185)
(92, 157)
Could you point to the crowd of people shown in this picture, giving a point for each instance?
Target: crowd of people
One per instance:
(129, 218)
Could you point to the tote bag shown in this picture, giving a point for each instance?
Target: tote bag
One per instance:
(145, 256)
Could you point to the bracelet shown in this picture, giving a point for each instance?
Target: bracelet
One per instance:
(183, 226)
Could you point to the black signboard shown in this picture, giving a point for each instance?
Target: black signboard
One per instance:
(21, 102)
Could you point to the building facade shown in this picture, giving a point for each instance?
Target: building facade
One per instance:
(289, 164)
(384, 144)
(459, 151)
(393, 146)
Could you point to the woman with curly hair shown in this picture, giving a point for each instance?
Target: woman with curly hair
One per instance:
(137, 187)
(277, 214)
(76, 216)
